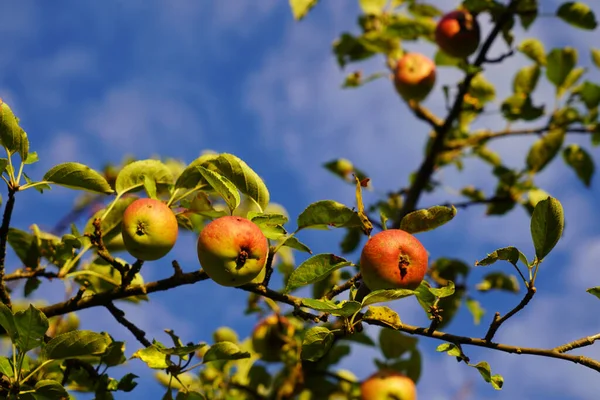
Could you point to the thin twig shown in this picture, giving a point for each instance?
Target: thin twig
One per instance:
(119, 315)
(4, 295)
(585, 341)
(342, 288)
(551, 353)
(497, 321)
(26, 274)
(269, 267)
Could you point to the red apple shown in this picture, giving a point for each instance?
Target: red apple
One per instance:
(232, 250)
(149, 229)
(387, 384)
(457, 34)
(393, 259)
(269, 337)
(414, 76)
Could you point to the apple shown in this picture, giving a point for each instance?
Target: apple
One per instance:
(149, 229)
(225, 334)
(269, 337)
(388, 384)
(232, 250)
(393, 259)
(414, 76)
(457, 34)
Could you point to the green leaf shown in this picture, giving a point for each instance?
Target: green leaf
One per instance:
(222, 186)
(133, 175)
(547, 224)
(475, 309)
(560, 64)
(444, 291)
(424, 10)
(78, 176)
(427, 219)
(316, 343)
(12, 136)
(25, 246)
(384, 315)
(182, 350)
(343, 308)
(578, 14)
(450, 348)
(595, 54)
(314, 269)
(32, 157)
(268, 219)
(526, 79)
(47, 389)
(126, 383)
(394, 344)
(380, 296)
(326, 213)
(152, 356)
(190, 395)
(76, 344)
(243, 177)
(510, 254)
(594, 291)
(6, 367)
(482, 89)
(7, 321)
(589, 93)
(484, 369)
(372, 7)
(224, 351)
(581, 162)
(545, 149)
(498, 281)
(424, 296)
(570, 80)
(301, 7)
(31, 325)
(520, 107)
(296, 244)
(534, 49)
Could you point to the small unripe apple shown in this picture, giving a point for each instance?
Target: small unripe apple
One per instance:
(393, 259)
(414, 76)
(387, 384)
(269, 337)
(232, 250)
(149, 229)
(458, 34)
(225, 334)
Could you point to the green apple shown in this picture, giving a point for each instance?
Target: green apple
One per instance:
(149, 229)
(458, 34)
(414, 76)
(387, 385)
(225, 334)
(269, 337)
(232, 250)
(393, 259)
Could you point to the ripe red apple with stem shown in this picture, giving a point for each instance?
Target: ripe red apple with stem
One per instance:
(269, 337)
(149, 229)
(388, 384)
(393, 259)
(458, 34)
(232, 250)
(414, 76)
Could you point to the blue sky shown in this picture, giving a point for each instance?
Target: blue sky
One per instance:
(95, 81)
